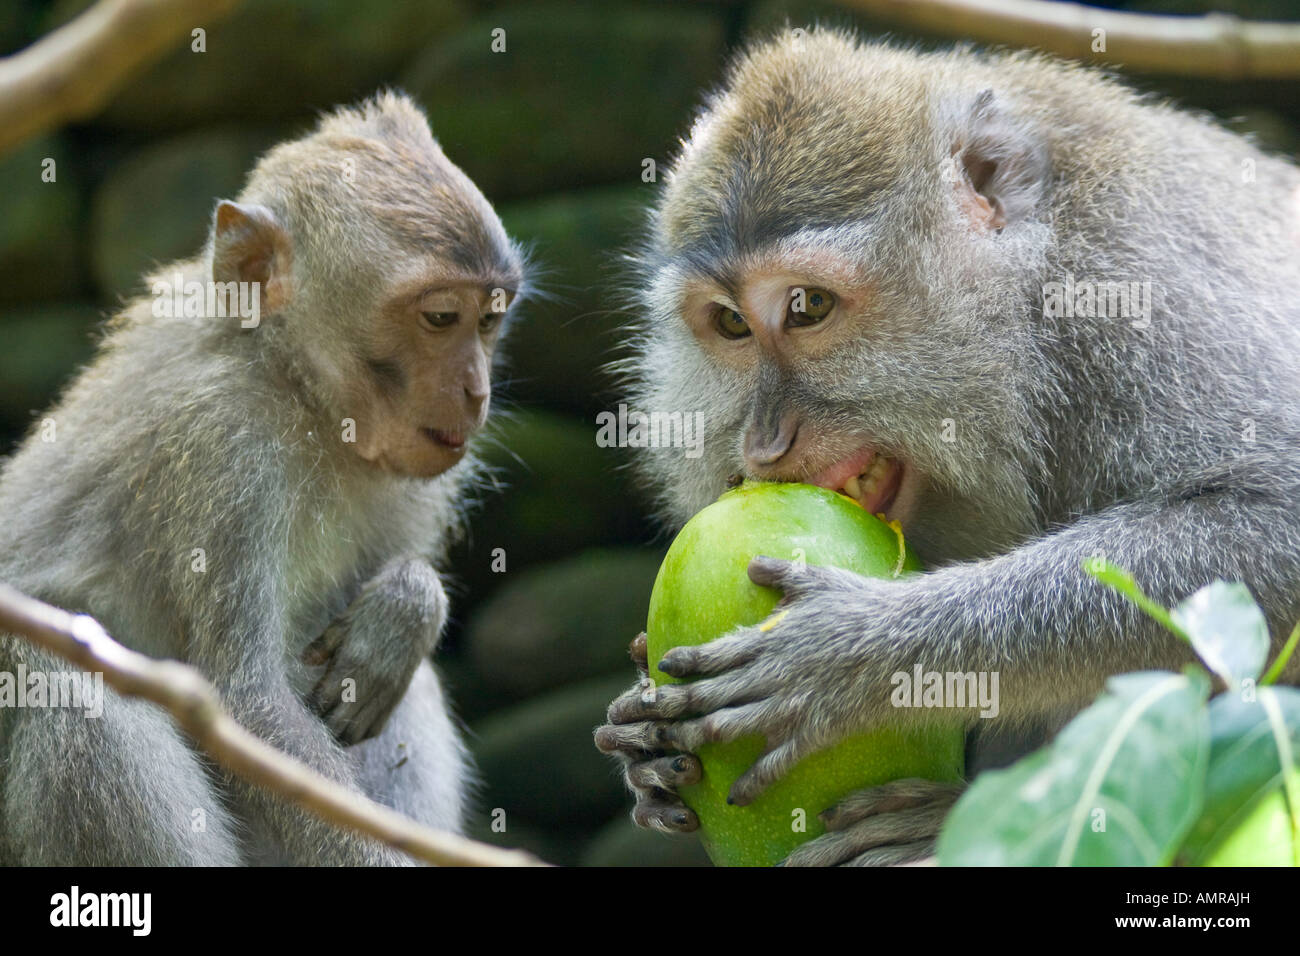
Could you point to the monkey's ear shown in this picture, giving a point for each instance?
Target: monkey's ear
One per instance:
(250, 245)
(1002, 170)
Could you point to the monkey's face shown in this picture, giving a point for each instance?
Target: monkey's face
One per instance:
(426, 382)
(781, 329)
(815, 364)
(840, 280)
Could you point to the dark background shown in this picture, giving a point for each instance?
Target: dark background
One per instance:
(554, 131)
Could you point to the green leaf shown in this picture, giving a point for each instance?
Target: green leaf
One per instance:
(1133, 763)
(1227, 629)
(1254, 753)
(1283, 656)
(1117, 578)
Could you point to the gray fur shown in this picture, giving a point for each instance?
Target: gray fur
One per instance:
(191, 433)
(1075, 436)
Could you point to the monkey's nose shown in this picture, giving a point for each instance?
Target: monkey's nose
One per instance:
(767, 443)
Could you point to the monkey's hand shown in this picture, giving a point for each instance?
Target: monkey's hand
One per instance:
(371, 652)
(819, 669)
(897, 822)
(650, 773)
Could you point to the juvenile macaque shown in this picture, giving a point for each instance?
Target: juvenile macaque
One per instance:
(259, 483)
(1008, 303)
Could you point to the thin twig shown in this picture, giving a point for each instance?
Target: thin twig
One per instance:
(195, 705)
(1218, 45)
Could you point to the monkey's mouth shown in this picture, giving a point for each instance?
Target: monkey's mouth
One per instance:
(868, 477)
(455, 441)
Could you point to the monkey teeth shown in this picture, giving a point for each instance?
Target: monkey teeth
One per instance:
(870, 487)
(867, 483)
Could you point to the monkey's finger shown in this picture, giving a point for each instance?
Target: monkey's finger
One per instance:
(320, 651)
(918, 852)
(665, 773)
(338, 717)
(662, 701)
(323, 696)
(722, 654)
(733, 689)
(794, 580)
(848, 848)
(897, 795)
(637, 650)
(665, 814)
(633, 740)
(720, 726)
(772, 572)
(367, 724)
(638, 702)
(327, 693)
(374, 719)
(769, 768)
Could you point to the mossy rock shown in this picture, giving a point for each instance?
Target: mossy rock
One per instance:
(550, 846)
(276, 59)
(39, 232)
(43, 347)
(552, 493)
(583, 92)
(564, 339)
(538, 760)
(156, 205)
(557, 623)
(622, 843)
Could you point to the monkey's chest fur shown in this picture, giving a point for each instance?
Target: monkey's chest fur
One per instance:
(339, 538)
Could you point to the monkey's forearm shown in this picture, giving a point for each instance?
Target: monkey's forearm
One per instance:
(1054, 633)
(269, 708)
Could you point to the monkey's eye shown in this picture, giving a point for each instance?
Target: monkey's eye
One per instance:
(440, 320)
(730, 323)
(490, 321)
(809, 306)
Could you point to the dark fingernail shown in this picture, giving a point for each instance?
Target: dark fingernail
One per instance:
(681, 765)
(680, 818)
(671, 666)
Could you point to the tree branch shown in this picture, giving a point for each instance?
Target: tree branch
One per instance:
(195, 705)
(1218, 45)
(70, 73)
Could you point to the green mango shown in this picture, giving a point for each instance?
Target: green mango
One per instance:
(703, 591)
(1263, 837)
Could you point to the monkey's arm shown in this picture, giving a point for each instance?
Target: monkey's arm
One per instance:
(824, 668)
(258, 694)
(236, 626)
(377, 643)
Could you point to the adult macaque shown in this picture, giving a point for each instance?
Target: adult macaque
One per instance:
(1029, 314)
(263, 495)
